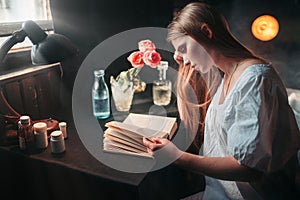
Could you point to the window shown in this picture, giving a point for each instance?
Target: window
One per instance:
(14, 12)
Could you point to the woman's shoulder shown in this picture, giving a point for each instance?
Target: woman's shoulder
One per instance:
(255, 74)
(252, 67)
(257, 70)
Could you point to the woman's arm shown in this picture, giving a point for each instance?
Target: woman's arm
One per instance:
(225, 168)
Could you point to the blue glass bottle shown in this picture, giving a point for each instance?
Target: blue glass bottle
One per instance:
(100, 93)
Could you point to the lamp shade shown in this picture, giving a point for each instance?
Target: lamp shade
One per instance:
(33, 32)
(265, 27)
(54, 48)
(47, 48)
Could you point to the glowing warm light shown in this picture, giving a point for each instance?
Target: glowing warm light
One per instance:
(265, 27)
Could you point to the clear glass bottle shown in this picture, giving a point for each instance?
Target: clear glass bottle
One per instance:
(162, 88)
(25, 134)
(100, 96)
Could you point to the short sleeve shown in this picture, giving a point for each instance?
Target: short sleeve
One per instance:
(262, 131)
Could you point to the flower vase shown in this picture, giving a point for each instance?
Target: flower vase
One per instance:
(122, 93)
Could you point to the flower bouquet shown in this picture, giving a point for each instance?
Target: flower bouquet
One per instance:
(128, 82)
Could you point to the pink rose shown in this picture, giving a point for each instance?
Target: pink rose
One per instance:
(146, 45)
(152, 58)
(136, 59)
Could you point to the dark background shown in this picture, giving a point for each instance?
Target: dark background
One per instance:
(88, 22)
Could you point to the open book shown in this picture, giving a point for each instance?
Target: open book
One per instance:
(127, 136)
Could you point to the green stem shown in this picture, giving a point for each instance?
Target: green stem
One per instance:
(136, 71)
(133, 72)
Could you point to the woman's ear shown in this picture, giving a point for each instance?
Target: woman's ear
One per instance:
(206, 30)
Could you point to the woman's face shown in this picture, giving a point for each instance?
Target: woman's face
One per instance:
(190, 52)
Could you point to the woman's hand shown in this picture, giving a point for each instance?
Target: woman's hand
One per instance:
(162, 148)
(155, 143)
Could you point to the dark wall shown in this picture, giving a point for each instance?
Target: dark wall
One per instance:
(89, 22)
(284, 50)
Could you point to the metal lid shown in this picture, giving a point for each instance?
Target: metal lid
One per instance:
(40, 127)
(56, 135)
(99, 72)
(25, 119)
(163, 65)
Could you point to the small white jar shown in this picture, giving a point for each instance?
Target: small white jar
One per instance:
(63, 129)
(40, 135)
(57, 142)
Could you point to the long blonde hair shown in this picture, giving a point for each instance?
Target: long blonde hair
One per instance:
(195, 90)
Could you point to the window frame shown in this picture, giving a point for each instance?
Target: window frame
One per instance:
(8, 28)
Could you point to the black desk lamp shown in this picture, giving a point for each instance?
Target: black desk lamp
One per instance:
(46, 49)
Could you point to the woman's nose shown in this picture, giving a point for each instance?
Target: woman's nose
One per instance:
(186, 61)
(178, 58)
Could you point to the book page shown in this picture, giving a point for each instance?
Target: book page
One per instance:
(117, 150)
(154, 122)
(108, 147)
(115, 136)
(127, 135)
(107, 142)
(136, 131)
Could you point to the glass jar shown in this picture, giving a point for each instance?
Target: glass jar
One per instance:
(162, 88)
(122, 92)
(25, 134)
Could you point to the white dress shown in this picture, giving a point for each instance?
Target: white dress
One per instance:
(255, 125)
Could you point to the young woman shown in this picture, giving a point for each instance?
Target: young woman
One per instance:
(250, 133)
